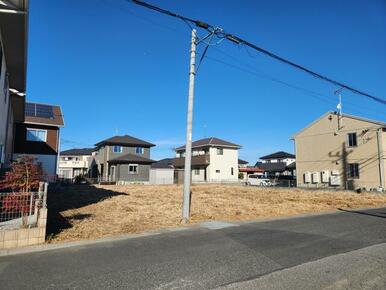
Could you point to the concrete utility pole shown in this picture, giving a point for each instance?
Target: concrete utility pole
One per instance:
(188, 146)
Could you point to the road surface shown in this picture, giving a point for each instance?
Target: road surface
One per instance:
(345, 250)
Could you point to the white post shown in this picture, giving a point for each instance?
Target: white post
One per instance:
(188, 146)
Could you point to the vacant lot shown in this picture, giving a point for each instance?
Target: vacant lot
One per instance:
(88, 212)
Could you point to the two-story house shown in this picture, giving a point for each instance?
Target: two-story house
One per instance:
(13, 64)
(76, 162)
(39, 136)
(341, 151)
(276, 164)
(213, 160)
(123, 159)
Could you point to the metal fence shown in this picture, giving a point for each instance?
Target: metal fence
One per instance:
(21, 208)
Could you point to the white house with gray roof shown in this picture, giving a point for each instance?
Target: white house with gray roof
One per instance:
(213, 160)
(76, 162)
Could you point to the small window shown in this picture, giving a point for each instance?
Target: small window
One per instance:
(36, 135)
(133, 169)
(217, 171)
(196, 171)
(352, 139)
(220, 151)
(139, 150)
(117, 149)
(353, 170)
(231, 170)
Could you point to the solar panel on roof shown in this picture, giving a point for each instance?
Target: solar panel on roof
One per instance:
(39, 110)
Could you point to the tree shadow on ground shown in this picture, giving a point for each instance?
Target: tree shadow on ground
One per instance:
(373, 213)
(62, 198)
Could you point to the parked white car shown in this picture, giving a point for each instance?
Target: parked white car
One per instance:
(258, 180)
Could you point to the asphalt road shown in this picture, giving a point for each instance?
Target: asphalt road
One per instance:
(321, 250)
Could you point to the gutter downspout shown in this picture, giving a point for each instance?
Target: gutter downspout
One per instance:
(380, 159)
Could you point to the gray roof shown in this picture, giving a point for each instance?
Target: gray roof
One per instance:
(212, 141)
(243, 161)
(272, 167)
(279, 154)
(77, 151)
(124, 140)
(166, 163)
(131, 158)
(291, 165)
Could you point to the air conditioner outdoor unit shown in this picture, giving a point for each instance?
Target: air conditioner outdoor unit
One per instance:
(325, 176)
(335, 180)
(307, 177)
(315, 177)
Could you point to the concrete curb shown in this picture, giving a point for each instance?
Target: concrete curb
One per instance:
(51, 247)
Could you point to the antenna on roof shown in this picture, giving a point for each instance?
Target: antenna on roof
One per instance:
(339, 107)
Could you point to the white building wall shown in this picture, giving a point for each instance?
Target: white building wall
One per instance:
(223, 163)
(198, 174)
(161, 176)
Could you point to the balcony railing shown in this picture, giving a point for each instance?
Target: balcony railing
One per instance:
(197, 160)
(72, 164)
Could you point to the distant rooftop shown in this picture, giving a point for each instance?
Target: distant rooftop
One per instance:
(77, 152)
(124, 140)
(212, 141)
(242, 162)
(43, 114)
(278, 155)
(166, 163)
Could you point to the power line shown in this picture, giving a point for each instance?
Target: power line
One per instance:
(233, 38)
(253, 70)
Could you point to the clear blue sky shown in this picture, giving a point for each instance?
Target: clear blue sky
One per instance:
(117, 68)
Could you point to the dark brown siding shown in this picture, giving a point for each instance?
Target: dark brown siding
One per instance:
(29, 147)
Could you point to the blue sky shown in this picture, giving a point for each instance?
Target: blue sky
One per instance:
(116, 68)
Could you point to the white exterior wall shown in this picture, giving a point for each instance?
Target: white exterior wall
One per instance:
(161, 176)
(224, 163)
(286, 160)
(200, 177)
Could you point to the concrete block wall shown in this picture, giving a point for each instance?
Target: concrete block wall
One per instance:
(16, 238)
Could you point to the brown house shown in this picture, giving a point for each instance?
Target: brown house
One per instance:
(342, 151)
(38, 135)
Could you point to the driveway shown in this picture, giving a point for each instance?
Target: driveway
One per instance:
(319, 248)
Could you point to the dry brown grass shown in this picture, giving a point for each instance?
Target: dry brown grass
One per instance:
(86, 212)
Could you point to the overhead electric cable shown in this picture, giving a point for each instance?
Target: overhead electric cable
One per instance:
(233, 38)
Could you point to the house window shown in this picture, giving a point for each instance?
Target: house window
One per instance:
(36, 135)
(117, 149)
(196, 171)
(133, 169)
(353, 170)
(217, 171)
(352, 139)
(231, 170)
(139, 150)
(220, 151)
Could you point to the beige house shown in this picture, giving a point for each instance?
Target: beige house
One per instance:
(342, 152)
